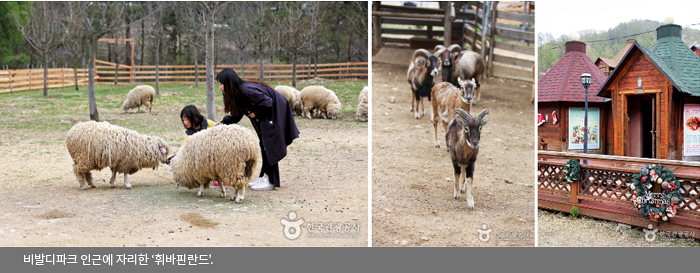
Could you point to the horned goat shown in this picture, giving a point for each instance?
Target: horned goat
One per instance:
(225, 153)
(461, 64)
(462, 140)
(446, 98)
(421, 76)
(96, 145)
(140, 95)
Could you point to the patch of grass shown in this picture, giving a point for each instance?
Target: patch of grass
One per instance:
(64, 107)
(196, 219)
(55, 214)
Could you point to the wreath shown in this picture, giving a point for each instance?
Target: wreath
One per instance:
(656, 206)
(572, 171)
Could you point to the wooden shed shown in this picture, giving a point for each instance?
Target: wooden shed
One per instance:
(561, 100)
(655, 95)
(607, 65)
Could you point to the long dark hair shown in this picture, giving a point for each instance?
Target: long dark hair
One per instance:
(193, 115)
(232, 89)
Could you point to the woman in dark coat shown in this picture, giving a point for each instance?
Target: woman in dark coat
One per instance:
(271, 116)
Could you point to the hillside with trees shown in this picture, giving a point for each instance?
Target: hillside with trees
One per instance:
(605, 43)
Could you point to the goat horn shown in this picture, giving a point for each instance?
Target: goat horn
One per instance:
(420, 52)
(465, 115)
(452, 48)
(482, 114)
(439, 47)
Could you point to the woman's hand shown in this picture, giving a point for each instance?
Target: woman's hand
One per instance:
(251, 115)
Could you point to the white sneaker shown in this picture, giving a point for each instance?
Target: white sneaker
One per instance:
(256, 182)
(263, 185)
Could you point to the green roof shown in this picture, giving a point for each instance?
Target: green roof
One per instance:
(675, 59)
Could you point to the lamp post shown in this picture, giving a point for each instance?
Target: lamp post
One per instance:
(586, 81)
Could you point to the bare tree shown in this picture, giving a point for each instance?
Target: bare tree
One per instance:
(210, 10)
(259, 23)
(295, 33)
(317, 10)
(74, 45)
(95, 19)
(191, 20)
(238, 31)
(44, 32)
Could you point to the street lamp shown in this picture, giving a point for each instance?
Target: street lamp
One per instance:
(586, 81)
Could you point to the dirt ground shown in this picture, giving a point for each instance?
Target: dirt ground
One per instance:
(412, 190)
(324, 180)
(558, 229)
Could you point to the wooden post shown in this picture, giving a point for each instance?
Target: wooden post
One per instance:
(376, 6)
(485, 27)
(430, 32)
(575, 186)
(491, 42)
(448, 23)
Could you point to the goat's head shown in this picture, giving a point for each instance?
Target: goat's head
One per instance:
(472, 126)
(444, 55)
(422, 59)
(466, 90)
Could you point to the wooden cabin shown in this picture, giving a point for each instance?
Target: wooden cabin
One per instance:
(696, 50)
(655, 97)
(607, 65)
(561, 94)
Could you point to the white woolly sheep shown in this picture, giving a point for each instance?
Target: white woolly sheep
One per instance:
(362, 104)
(96, 145)
(293, 96)
(321, 99)
(225, 153)
(140, 95)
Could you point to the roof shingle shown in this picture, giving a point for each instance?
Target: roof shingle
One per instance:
(563, 81)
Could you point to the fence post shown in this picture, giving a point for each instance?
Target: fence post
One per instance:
(575, 187)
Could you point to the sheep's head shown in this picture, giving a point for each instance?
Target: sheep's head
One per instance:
(466, 90)
(471, 126)
(298, 106)
(422, 59)
(163, 149)
(125, 106)
(333, 110)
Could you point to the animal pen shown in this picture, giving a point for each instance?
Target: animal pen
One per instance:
(502, 32)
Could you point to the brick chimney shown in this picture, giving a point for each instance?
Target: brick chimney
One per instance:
(575, 46)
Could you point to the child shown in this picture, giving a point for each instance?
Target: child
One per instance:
(193, 122)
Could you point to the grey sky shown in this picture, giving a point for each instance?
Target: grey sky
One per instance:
(568, 17)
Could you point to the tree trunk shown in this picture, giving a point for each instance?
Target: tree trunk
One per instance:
(316, 61)
(196, 68)
(260, 56)
(157, 67)
(211, 110)
(82, 56)
(116, 74)
(294, 69)
(75, 74)
(143, 39)
(46, 74)
(94, 115)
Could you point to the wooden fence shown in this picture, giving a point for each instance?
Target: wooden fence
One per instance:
(185, 74)
(508, 44)
(28, 79)
(604, 189)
